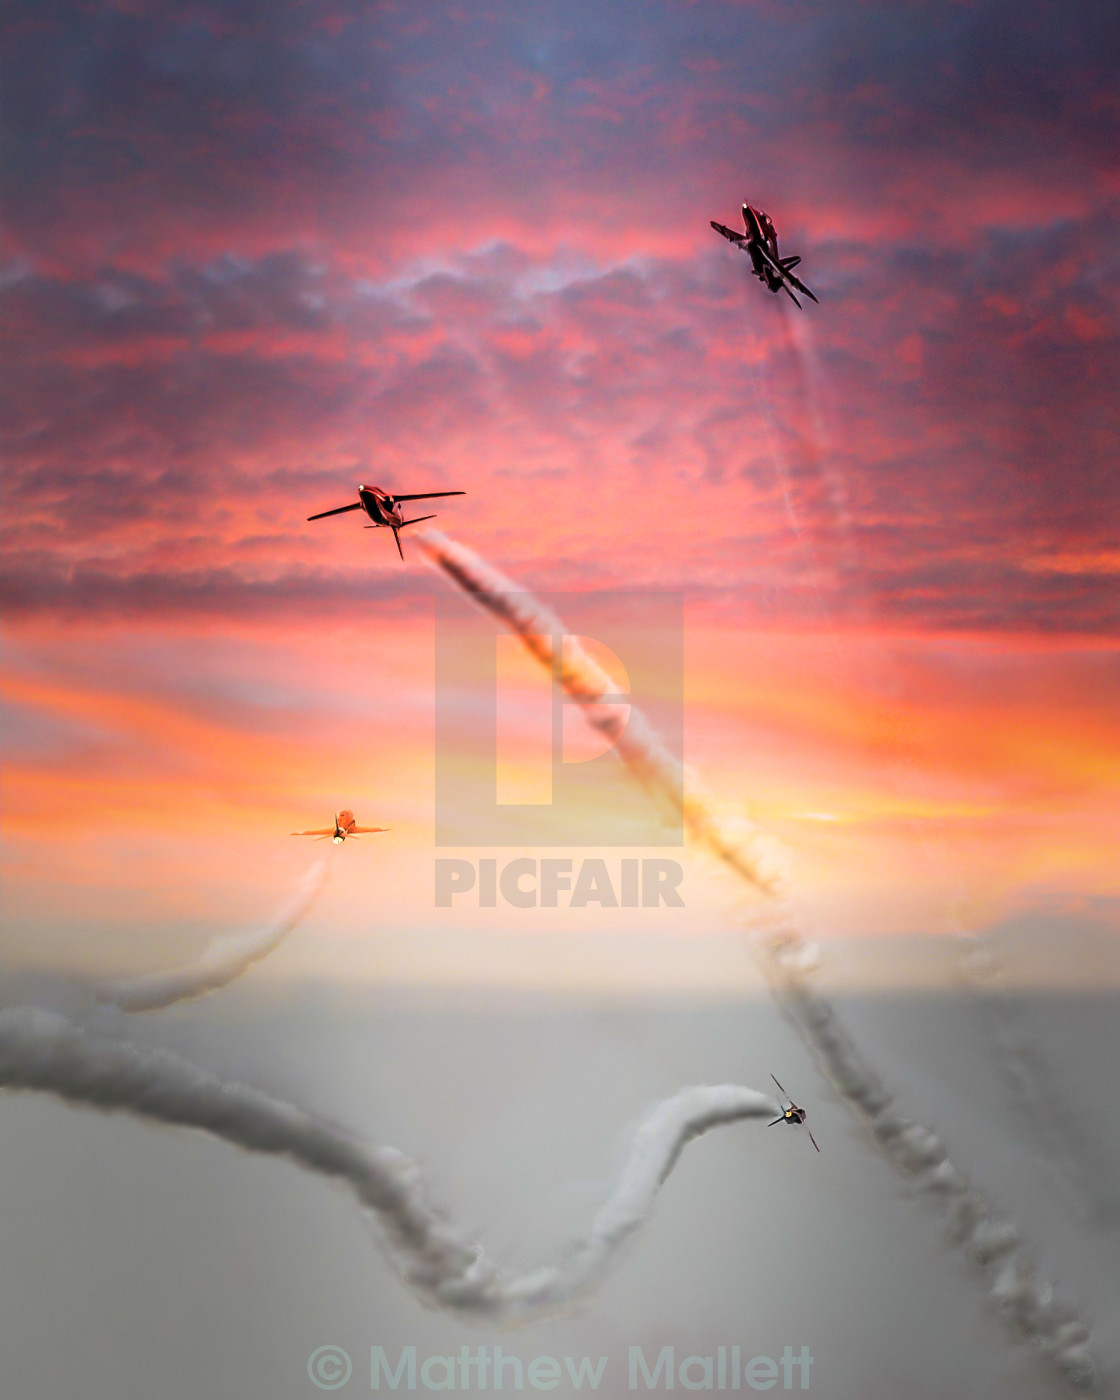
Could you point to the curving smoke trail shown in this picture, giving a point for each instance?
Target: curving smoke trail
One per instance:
(222, 961)
(734, 840)
(42, 1051)
(790, 962)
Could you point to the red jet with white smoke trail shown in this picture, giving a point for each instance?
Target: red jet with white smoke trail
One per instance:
(384, 510)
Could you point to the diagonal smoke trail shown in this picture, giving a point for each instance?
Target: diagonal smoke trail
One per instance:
(42, 1051)
(752, 855)
(224, 960)
(1027, 1303)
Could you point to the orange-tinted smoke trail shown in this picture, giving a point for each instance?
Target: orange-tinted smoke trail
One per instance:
(991, 1241)
(752, 855)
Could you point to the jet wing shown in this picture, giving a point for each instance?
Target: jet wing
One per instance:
(338, 510)
(355, 829)
(322, 831)
(428, 495)
(728, 233)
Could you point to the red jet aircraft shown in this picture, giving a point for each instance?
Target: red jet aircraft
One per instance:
(343, 827)
(384, 509)
(792, 1113)
(761, 242)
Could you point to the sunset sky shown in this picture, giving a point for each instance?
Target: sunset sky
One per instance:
(254, 254)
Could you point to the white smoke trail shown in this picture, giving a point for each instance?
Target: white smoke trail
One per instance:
(790, 960)
(734, 840)
(224, 960)
(817, 393)
(42, 1051)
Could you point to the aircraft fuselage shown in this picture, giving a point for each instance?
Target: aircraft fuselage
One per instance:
(762, 243)
(384, 510)
(381, 508)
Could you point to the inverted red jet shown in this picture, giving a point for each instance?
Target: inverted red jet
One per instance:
(385, 511)
(761, 242)
(344, 826)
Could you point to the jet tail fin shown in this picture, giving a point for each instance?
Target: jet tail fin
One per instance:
(417, 520)
(801, 287)
(786, 278)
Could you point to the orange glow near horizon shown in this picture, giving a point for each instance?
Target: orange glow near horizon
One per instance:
(919, 786)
